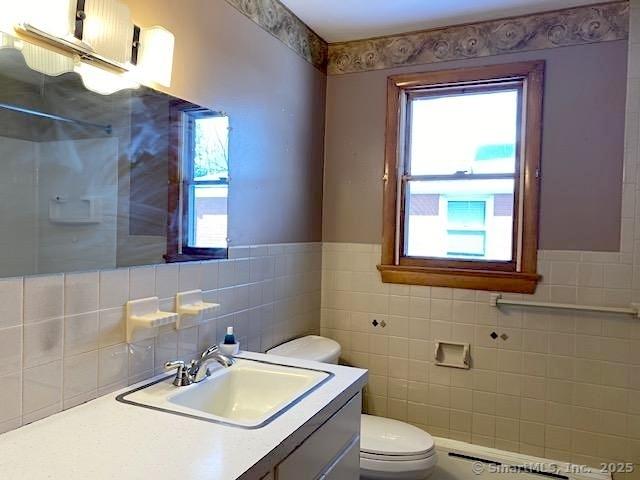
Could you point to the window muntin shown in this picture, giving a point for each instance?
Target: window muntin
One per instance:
(462, 141)
(206, 180)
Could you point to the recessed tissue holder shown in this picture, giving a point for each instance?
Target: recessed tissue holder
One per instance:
(452, 354)
(144, 318)
(192, 310)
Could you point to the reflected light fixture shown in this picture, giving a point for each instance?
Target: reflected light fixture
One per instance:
(103, 81)
(38, 58)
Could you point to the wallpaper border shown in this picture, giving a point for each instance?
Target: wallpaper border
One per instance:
(574, 26)
(273, 17)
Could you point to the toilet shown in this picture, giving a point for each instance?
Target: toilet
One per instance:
(389, 449)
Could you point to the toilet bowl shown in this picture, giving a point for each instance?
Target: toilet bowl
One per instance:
(389, 449)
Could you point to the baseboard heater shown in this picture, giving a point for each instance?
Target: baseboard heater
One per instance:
(515, 468)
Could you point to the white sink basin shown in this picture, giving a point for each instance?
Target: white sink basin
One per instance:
(248, 394)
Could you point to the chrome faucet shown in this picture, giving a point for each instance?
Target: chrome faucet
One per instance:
(198, 369)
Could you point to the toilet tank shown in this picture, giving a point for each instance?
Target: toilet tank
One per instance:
(311, 347)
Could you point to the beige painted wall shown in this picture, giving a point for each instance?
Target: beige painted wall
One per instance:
(582, 157)
(276, 103)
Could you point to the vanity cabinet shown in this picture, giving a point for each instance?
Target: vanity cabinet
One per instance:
(332, 452)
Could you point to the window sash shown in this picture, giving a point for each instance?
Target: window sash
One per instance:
(191, 220)
(439, 91)
(188, 168)
(405, 176)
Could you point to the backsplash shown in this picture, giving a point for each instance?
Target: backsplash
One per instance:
(562, 385)
(62, 337)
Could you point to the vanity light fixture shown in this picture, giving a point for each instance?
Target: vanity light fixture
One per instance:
(96, 34)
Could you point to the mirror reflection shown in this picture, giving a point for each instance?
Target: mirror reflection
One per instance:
(91, 181)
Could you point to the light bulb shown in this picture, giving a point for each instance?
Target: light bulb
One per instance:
(108, 29)
(155, 56)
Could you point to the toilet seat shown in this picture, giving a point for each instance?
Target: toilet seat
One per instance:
(392, 440)
(396, 458)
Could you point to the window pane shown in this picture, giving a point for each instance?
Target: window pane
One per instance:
(461, 243)
(470, 132)
(466, 214)
(208, 219)
(464, 219)
(210, 148)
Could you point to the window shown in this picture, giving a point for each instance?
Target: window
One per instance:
(466, 232)
(199, 184)
(462, 178)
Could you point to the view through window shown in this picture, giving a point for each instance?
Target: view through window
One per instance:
(206, 173)
(461, 171)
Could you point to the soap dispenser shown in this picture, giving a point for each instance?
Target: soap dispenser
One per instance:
(229, 346)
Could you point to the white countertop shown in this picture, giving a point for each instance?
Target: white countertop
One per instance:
(106, 439)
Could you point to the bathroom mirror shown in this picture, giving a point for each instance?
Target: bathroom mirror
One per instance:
(93, 181)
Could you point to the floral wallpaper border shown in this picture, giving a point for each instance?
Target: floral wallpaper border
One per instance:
(575, 26)
(279, 21)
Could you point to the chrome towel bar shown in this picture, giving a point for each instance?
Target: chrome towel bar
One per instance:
(496, 300)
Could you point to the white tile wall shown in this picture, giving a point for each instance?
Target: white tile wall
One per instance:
(62, 337)
(563, 385)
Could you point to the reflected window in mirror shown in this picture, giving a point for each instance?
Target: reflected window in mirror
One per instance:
(199, 184)
(90, 181)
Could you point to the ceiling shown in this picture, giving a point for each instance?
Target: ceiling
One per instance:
(343, 20)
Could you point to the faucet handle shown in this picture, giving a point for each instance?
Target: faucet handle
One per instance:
(179, 364)
(182, 374)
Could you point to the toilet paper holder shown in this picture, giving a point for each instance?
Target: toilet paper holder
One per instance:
(452, 354)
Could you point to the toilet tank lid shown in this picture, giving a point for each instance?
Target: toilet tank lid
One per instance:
(311, 347)
(384, 436)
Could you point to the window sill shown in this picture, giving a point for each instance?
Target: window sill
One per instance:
(177, 258)
(512, 282)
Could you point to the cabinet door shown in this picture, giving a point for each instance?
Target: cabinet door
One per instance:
(347, 465)
(313, 457)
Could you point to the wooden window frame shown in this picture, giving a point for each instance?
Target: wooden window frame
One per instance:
(178, 249)
(518, 275)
